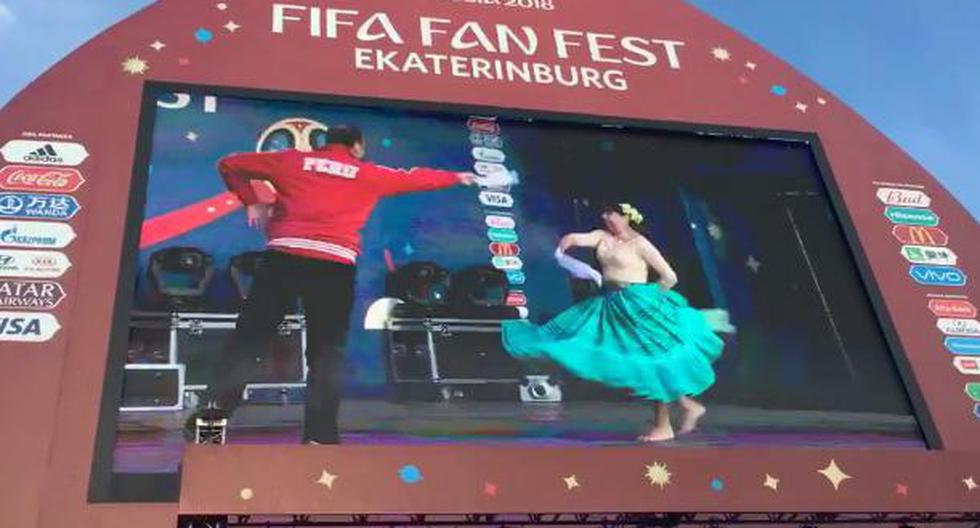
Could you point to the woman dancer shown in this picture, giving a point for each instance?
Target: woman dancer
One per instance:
(636, 335)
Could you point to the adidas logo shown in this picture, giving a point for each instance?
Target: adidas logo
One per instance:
(45, 154)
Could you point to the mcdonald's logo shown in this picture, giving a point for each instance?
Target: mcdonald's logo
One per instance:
(920, 235)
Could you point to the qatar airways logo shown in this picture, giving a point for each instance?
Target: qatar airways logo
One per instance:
(568, 57)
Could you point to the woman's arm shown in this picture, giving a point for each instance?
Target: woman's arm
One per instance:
(653, 258)
(571, 240)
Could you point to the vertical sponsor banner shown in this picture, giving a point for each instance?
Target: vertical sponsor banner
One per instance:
(489, 160)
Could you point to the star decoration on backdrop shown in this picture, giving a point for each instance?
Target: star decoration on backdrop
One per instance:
(410, 474)
(246, 493)
(658, 475)
(203, 35)
(157, 45)
(970, 484)
(183, 61)
(751, 65)
(721, 54)
(821, 101)
(192, 136)
(834, 474)
(753, 264)
(902, 489)
(801, 106)
(222, 6)
(326, 479)
(231, 26)
(571, 482)
(743, 79)
(135, 66)
(490, 489)
(771, 482)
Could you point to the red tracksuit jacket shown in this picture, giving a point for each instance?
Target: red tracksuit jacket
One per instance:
(323, 197)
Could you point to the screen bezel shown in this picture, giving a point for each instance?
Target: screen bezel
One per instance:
(107, 486)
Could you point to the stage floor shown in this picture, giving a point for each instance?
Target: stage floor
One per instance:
(151, 442)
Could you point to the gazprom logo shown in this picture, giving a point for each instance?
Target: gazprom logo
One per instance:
(937, 275)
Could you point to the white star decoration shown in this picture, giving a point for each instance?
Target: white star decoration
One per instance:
(135, 66)
(222, 6)
(753, 264)
(721, 54)
(834, 474)
(571, 482)
(157, 45)
(821, 101)
(970, 484)
(326, 479)
(801, 106)
(771, 482)
(658, 474)
(231, 26)
(750, 65)
(192, 136)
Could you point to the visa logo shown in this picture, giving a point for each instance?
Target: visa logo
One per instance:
(937, 275)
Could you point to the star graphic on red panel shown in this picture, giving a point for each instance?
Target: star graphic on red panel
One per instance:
(490, 489)
(902, 489)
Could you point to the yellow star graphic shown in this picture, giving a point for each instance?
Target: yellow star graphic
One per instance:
(970, 483)
(135, 66)
(834, 474)
(658, 474)
(571, 482)
(721, 54)
(326, 479)
(771, 482)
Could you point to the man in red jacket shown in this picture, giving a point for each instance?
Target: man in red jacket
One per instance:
(323, 199)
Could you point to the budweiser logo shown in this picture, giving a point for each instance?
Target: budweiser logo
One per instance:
(23, 178)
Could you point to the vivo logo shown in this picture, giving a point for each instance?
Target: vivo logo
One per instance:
(937, 275)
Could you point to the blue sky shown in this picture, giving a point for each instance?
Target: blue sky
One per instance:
(911, 67)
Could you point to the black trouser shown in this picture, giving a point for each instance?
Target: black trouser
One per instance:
(327, 291)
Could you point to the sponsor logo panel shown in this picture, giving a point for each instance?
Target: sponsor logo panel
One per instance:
(903, 197)
(33, 264)
(959, 327)
(501, 221)
(30, 295)
(967, 365)
(28, 327)
(937, 275)
(963, 346)
(40, 235)
(927, 236)
(44, 152)
(955, 308)
(38, 206)
(40, 179)
(939, 256)
(910, 216)
(496, 199)
(507, 263)
(491, 155)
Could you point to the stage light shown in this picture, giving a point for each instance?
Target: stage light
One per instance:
(422, 283)
(243, 268)
(478, 287)
(540, 389)
(181, 275)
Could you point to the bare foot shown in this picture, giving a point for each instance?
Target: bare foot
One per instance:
(657, 434)
(692, 411)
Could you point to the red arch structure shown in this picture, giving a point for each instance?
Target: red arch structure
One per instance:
(678, 66)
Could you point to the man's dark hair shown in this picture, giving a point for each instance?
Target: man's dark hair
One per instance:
(347, 135)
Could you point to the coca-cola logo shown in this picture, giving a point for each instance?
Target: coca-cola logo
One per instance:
(23, 178)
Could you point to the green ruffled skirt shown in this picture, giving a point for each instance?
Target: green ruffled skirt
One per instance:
(637, 337)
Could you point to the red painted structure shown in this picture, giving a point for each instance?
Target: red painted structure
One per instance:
(51, 393)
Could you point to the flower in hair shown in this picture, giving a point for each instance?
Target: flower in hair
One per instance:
(632, 213)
